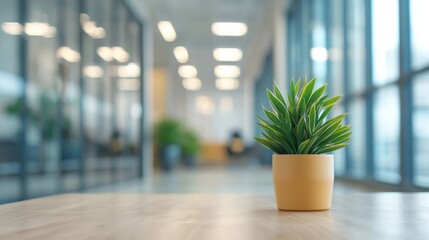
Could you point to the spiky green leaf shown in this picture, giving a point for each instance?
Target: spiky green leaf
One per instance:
(278, 105)
(331, 101)
(302, 146)
(331, 148)
(299, 127)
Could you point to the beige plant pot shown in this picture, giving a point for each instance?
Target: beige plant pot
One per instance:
(303, 182)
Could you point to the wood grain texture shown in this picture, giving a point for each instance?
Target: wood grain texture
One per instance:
(196, 216)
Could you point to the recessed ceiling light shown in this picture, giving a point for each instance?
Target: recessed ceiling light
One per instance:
(40, 29)
(229, 28)
(84, 18)
(131, 70)
(68, 54)
(12, 28)
(181, 54)
(98, 33)
(228, 54)
(192, 84)
(167, 31)
(120, 54)
(227, 83)
(91, 28)
(187, 71)
(93, 71)
(105, 53)
(227, 71)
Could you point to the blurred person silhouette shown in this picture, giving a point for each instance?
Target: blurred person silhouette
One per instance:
(235, 146)
(116, 145)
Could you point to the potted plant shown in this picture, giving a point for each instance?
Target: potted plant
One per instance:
(300, 134)
(168, 136)
(190, 147)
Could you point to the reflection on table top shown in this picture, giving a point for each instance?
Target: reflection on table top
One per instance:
(210, 216)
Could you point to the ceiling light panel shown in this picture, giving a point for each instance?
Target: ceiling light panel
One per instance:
(12, 28)
(229, 28)
(93, 71)
(167, 31)
(227, 71)
(68, 54)
(192, 84)
(227, 83)
(228, 54)
(40, 29)
(187, 71)
(120, 54)
(181, 54)
(105, 53)
(131, 70)
(91, 28)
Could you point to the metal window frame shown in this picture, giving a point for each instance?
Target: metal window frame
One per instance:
(23, 46)
(405, 94)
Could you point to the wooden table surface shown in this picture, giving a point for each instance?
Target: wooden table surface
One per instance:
(196, 216)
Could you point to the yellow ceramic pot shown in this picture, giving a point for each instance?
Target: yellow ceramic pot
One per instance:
(303, 182)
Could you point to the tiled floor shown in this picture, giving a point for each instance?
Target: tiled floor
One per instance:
(242, 179)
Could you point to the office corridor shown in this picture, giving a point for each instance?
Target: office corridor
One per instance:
(230, 179)
(162, 119)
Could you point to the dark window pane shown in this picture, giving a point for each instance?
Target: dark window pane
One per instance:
(386, 135)
(336, 49)
(356, 42)
(421, 130)
(357, 147)
(11, 91)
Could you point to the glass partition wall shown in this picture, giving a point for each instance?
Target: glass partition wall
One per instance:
(11, 96)
(70, 96)
(375, 54)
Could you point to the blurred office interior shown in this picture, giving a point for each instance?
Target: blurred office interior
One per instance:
(83, 83)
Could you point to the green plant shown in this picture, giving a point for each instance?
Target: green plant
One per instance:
(190, 142)
(45, 117)
(168, 131)
(299, 126)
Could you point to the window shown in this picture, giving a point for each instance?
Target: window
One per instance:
(336, 48)
(357, 119)
(386, 134)
(336, 72)
(339, 155)
(356, 45)
(419, 33)
(297, 60)
(293, 46)
(42, 146)
(69, 96)
(385, 41)
(100, 89)
(421, 129)
(319, 51)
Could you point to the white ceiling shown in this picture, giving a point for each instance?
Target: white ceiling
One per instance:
(192, 21)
